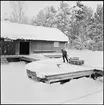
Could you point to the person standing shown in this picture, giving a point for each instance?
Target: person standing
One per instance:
(64, 55)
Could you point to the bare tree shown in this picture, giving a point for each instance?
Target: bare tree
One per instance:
(18, 11)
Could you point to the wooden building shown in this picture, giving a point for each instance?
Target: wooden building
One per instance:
(28, 39)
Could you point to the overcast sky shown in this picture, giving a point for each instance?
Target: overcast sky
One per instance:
(33, 7)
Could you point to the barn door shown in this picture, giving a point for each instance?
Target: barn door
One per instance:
(24, 48)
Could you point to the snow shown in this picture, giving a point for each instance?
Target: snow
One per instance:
(21, 31)
(93, 60)
(49, 67)
(36, 56)
(88, 99)
(17, 88)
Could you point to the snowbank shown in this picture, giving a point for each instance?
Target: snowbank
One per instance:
(93, 60)
(49, 67)
(16, 31)
(17, 88)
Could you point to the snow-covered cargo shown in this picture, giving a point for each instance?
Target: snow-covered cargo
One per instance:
(53, 70)
(76, 61)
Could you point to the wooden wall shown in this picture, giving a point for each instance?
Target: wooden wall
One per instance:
(41, 45)
(45, 45)
(61, 45)
(17, 51)
(7, 47)
(14, 48)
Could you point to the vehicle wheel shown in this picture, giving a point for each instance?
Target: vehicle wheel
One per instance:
(87, 76)
(64, 81)
(94, 76)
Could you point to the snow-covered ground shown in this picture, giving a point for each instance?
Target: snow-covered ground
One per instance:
(92, 58)
(16, 87)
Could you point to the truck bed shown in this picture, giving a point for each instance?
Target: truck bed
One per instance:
(61, 72)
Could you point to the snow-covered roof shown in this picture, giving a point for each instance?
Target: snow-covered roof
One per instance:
(21, 31)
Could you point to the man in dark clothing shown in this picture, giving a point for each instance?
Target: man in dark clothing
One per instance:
(64, 55)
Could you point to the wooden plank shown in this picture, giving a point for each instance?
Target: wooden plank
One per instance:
(69, 75)
(60, 77)
(44, 51)
(53, 56)
(64, 76)
(28, 59)
(10, 56)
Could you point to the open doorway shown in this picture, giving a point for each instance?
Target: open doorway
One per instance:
(24, 48)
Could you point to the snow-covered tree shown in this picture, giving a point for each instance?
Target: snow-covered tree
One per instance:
(45, 17)
(18, 12)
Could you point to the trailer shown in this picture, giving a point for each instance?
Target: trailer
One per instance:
(64, 72)
(62, 78)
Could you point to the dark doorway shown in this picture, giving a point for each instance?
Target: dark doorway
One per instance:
(24, 48)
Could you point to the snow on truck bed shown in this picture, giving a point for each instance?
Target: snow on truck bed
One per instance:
(49, 67)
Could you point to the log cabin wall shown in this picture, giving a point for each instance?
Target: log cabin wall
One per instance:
(45, 45)
(7, 47)
(14, 47)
